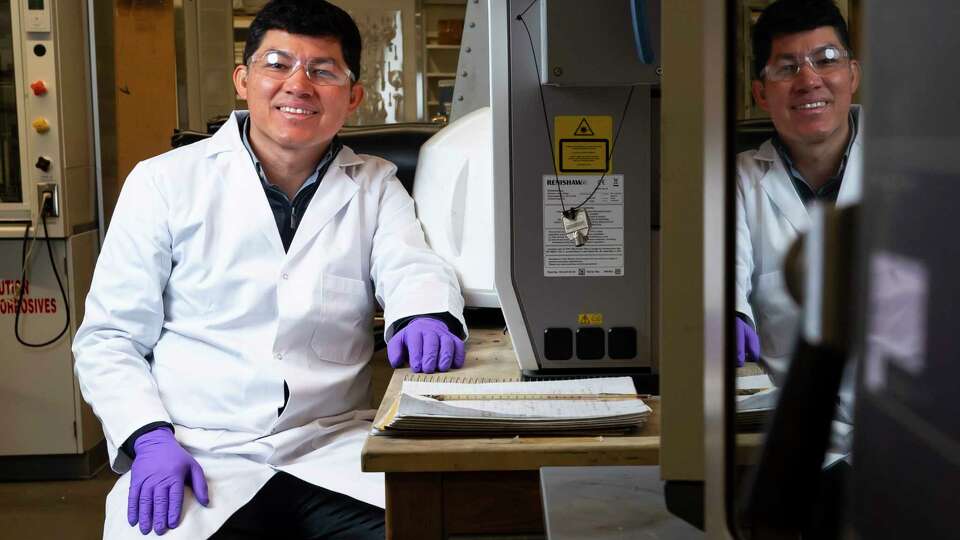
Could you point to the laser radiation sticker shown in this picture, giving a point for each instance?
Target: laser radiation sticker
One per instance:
(582, 143)
(583, 129)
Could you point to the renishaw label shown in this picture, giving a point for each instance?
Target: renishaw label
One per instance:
(602, 254)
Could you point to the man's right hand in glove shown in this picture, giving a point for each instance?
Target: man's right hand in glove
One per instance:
(159, 473)
(748, 343)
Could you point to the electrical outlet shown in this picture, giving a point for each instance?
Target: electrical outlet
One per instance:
(51, 188)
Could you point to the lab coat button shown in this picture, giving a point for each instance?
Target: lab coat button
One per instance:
(278, 356)
(285, 275)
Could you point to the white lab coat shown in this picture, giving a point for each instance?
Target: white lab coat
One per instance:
(770, 214)
(193, 272)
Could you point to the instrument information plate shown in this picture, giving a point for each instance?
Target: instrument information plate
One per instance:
(602, 254)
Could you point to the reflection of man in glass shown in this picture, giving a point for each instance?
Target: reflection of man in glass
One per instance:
(804, 77)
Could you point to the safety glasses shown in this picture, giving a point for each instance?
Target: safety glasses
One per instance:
(823, 61)
(281, 65)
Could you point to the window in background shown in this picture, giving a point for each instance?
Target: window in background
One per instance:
(382, 70)
(443, 32)
(410, 54)
(10, 186)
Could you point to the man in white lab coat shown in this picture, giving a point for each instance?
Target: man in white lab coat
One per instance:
(227, 332)
(805, 77)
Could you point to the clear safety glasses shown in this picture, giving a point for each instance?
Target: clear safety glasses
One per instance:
(823, 61)
(281, 65)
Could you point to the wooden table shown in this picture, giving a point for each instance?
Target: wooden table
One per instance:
(441, 486)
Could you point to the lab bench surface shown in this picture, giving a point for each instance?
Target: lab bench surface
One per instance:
(442, 486)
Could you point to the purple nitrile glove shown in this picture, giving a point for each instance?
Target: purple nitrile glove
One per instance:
(428, 345)
(160, 470)
(748, 343)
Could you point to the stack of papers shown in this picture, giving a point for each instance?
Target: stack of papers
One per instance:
(602, 404)
(751, 384)
(756, 400)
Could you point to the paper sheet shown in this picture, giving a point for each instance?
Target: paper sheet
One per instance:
(608, 385)
(532, 409)
(754, 382)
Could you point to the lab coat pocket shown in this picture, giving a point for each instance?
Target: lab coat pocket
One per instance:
(344, 330)
(777, 315)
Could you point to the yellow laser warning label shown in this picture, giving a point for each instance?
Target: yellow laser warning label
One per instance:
(582, 143)
(590, 319)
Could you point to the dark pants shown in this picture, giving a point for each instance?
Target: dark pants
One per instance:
(287, 508)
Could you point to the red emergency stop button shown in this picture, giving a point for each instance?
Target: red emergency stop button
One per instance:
(39, 88)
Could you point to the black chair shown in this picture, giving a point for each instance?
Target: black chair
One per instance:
(750, 134)
(398, 143)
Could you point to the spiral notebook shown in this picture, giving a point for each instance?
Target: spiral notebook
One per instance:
(506, 407)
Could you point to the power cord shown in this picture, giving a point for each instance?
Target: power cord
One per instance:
(25, 255)
(543, 104)
(623, 117)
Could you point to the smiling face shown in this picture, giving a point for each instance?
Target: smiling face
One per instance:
(810, 108)
(294, 115)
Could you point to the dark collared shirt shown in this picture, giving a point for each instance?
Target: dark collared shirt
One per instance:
(288, 213)
(829, 190)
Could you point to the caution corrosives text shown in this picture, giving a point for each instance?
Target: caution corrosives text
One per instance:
(10, 292)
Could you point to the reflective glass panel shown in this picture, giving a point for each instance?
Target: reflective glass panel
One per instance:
(777, 198)
(10, 186)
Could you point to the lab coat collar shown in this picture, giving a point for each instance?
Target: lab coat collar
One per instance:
(779, 188)
(240, 174)
(228, 138)
(766, 152)
(335, 190)
(346, 158)
(850, 189)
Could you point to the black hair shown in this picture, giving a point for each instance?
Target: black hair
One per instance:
(790, 17)
(315, 18)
